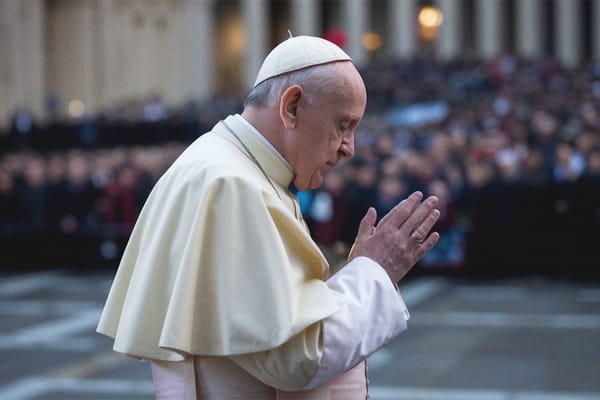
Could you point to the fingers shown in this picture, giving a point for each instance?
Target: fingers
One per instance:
(365, 231)
(427, 245)
(420, 222)
(367, 224)
(413, 219)
(421, 231)
(398, 215)
(402, 236)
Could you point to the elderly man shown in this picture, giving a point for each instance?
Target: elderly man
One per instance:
(222, 288)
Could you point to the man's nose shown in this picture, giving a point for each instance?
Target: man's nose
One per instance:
(347, 146)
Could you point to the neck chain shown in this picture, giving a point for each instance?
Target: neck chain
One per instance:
(252, 157)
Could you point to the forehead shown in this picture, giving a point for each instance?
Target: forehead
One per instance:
(347, 91)
(349, 84)
(348, 104)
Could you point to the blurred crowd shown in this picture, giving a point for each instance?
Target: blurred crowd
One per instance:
(74, 207)
(511, 147)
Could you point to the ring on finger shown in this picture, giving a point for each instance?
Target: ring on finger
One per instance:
(415, 235)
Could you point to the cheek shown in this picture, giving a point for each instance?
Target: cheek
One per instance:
(334, 147)
(328, 153)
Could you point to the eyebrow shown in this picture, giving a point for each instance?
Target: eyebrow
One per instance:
(349, 118)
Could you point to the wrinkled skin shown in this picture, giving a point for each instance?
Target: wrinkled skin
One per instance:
(402, 236)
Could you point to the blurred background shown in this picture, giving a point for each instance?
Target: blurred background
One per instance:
(492, 105)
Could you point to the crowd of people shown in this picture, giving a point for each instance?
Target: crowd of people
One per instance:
(511, 147)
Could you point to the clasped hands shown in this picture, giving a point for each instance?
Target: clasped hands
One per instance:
(401, 237)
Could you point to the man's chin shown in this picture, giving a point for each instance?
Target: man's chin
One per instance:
(315, 182)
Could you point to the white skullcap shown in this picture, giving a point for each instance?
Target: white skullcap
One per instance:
(299, 52)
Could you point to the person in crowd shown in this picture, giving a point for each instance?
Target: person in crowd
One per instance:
(360, 192)
(34, 197)
(33, 192)
(449, 251)
(327, 214)
(119, 201)
(12, 209)
(77, 213)
(390, 190)
(12, 217)
(221, 286)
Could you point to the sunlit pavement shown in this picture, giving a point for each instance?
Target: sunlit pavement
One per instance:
(511, 339)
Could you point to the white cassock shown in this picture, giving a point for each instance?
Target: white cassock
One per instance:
(222, 288)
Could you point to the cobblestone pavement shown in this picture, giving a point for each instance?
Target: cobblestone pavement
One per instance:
(511, 339)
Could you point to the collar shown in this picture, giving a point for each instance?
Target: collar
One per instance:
(278, 169)
(264, 140)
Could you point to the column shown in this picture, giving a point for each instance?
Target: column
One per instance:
(402, 28)
(8, 83)
(106, 73)
(596, 30)
(34, 88)
(117, 59)
(449, 44)
(22, 77)
(528, 40)
(356, 17)
(158, 48)
(567, 23)
(306, 18)
(71, 48)
(256, 27)
(196, 53)
(489, 20)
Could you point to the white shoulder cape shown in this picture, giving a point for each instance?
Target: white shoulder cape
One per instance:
(218, 263)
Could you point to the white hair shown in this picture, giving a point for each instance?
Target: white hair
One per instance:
(316, 82)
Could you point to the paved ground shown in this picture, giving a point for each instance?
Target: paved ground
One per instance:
(511, 339)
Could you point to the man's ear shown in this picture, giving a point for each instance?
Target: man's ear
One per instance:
(288, 107)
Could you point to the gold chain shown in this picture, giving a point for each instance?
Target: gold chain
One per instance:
(253, 158)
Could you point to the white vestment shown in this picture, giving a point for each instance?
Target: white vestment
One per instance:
(220, 265)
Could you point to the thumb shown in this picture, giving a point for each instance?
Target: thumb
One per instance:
(367, 224)
(365, 230)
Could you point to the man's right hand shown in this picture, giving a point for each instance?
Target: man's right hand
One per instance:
(402, 236)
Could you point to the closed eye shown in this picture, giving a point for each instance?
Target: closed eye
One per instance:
(345, 125)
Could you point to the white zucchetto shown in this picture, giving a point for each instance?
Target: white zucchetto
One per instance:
(299, 52)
